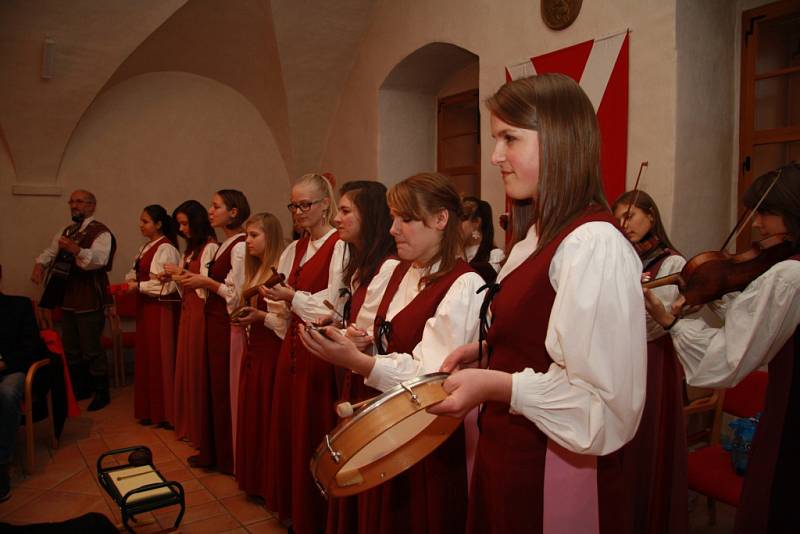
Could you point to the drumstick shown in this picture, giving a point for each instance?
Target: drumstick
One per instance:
(332, 308)
(345, 409)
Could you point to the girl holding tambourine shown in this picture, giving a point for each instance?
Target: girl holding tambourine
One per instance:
(429, 308)
(563, 379)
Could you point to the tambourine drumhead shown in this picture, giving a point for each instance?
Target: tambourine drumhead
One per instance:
(384, 438)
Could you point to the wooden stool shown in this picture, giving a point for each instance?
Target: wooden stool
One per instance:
(137, 486)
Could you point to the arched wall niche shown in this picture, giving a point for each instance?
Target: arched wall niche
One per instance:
(407, 101)
(159, 138)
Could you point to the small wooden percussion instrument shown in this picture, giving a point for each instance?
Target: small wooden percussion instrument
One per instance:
(385, 436)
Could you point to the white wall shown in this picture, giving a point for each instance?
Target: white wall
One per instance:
(407, 138)
(502, 33)
(705, 143)
(138, 144)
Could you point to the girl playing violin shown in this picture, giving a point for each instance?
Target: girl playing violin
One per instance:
(654, 461)
(760, 328)
(565, 382)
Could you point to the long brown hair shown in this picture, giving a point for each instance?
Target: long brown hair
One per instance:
(257, 269)
(645, 202)
(569, 151)
(375, 243)
(422, 196)
(783, 199)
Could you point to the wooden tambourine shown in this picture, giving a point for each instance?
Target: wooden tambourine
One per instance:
(384, 437)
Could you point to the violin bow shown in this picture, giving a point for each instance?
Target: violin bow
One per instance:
(636, 190)
(747, 215)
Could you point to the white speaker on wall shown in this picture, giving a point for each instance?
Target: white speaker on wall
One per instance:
(48, 58)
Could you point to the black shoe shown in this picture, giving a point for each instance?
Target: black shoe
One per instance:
(101, 400)
(196, 461)
(145, 422)
(165, 425)
(5, 483)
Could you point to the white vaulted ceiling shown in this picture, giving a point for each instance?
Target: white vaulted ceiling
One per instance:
(317, 42)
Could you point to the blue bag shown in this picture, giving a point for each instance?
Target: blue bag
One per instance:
(743, 432)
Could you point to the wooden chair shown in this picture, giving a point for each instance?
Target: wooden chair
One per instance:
(27, 410)
(124, 307)
(710, 471)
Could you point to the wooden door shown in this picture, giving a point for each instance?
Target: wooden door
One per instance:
(769, 131)
(458, 141)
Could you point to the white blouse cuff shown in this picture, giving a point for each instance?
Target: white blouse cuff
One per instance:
(528, 389)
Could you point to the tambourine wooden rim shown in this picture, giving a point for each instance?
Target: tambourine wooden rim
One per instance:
(336, 465)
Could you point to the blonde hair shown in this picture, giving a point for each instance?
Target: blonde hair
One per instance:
(323, 186)
(257, 269)
(424, 195)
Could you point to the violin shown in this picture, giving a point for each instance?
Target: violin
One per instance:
(710, 275)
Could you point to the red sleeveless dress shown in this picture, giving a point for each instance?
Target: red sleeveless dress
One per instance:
(255, 405)
(302, 407)
(769, 490)
(654, 461)
(216, 446)
(431, 496)
(191, 366)
(343, 512)
(156, 326)
(507, 492)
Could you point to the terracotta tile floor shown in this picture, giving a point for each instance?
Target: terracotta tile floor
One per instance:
(64, 483)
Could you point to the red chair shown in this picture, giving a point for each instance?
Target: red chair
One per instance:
(124, 307)
(710, 471)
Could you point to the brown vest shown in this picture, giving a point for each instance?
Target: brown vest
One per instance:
(88, 290)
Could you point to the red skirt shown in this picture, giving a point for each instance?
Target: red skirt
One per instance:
(429, 497)
(154, 366)
(216, 446)
(654, 461)
(191, 371)
(303, 411)
(507, 492)
(255, 405)
(343, 511)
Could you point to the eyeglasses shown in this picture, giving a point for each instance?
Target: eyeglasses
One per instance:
(79, 201)
(302, 206)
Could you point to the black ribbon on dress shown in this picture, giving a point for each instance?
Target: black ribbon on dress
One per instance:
(491, 290)
(384, 333)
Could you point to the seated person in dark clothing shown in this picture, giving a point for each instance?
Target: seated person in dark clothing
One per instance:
(20, 346)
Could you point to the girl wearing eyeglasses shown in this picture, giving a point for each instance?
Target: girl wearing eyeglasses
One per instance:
(229, 209)
(429, 308)
(305, 386)
(563, 382)
(156, 319)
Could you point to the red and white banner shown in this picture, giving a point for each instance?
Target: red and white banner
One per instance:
(600, 66)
